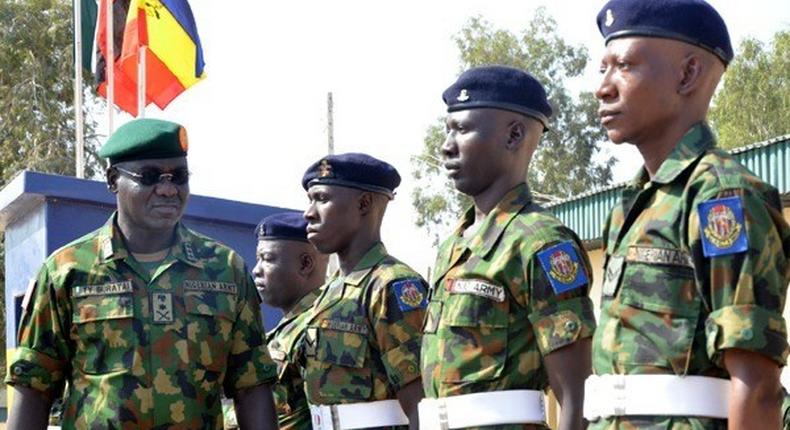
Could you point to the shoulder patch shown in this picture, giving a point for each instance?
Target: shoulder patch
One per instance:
(410, 294)
(722, 227)
(563, 268)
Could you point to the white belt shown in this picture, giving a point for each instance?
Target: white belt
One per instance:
(658, 395)
(482, 409)
(381, 413)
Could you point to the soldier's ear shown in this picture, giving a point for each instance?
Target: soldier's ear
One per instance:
(517, 131)
(112, 179)
(691, 73)
(306, 264)
(365, 202)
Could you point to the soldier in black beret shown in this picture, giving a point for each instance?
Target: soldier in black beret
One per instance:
(509, 313)
(362, 341)
(691, 333)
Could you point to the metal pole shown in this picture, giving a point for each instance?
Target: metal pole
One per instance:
(141, 93)
(110, 70)
(330, 122)
(79, 144)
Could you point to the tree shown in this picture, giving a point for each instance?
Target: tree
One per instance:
(36, 97)
(565, 162)
(754, 101)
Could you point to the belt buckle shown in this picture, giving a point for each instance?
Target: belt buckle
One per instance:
(619, 394)
(441, 408)
(320, 420)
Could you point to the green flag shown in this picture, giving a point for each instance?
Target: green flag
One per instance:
(90, 12)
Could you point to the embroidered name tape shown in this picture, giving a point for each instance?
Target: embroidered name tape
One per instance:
(410, 294)
(665, 256)
(722, 227)
(103, 289)
(344, 326)
(213, 286)
(563, 267)
(476, 287)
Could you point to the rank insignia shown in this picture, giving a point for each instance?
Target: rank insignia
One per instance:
(609, 18)
(563, 268)
(463, 96)
(722, 227)
(163, 308)
(325, 169)
(410, 294)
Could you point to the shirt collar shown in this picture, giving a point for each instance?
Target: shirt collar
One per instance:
(112, 246)
(496, 221)
(373, 257)
(303, 304)
(693, 144)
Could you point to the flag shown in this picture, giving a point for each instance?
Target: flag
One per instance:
(89, 11)
(173, 55)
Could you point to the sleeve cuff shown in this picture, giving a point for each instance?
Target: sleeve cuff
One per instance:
(402, 363)
(35, 370)
(563, 323)
(258, 369)
(747, 327)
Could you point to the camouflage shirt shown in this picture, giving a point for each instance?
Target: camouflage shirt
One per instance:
(141, 351)
(289, 398)
(499, 304)
(696, 263)
(362, 340)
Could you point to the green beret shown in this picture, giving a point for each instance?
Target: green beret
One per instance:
(144, 139)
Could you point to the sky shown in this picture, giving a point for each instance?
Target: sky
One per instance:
(260, 118)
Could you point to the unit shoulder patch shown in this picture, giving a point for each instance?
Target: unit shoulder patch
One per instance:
(563, 267)
(722, 227)
(410, 294)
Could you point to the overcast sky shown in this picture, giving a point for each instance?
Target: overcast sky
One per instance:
(259, 118)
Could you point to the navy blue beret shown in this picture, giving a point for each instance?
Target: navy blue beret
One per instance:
(289, 225)
(353, 170)
(499, 87)
(691, 21)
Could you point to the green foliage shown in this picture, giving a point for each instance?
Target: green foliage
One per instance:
(754, 101)
(36, 97)
(565, 162)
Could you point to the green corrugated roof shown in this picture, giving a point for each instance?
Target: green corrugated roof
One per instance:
(586, 213)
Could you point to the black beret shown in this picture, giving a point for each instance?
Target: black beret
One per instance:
(691, 21)
(499, 87)
(353, 170)
(289, 225)
(144, 139)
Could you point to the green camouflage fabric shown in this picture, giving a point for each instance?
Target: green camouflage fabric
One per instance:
(668, 309)
(492, 334)
(785, 409)
(359, 345)
(290, 401)
(140, 352)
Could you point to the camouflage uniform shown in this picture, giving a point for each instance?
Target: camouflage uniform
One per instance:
(289, 398)
(667, 308)
(363, 337)
(141, 351)
(494, 312)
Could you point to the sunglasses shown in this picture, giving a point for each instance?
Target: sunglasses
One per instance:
(152, 176)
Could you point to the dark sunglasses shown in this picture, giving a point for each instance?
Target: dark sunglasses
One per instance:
(152, 176)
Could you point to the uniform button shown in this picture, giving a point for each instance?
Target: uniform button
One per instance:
(571, 325)
(747, 333)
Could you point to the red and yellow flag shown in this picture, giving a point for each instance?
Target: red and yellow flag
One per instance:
(173, 53)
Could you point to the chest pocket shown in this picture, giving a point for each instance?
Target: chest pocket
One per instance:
(660, 314)
(343, 350)
(103, 332)
(210, 319)
(473, 337)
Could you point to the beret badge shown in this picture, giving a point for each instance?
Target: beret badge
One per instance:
(464, 96)
(325, 169)
(182, 139)
(609, 18)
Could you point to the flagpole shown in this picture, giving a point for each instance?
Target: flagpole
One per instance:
(141, 99)
(79, 145)
(110, 69)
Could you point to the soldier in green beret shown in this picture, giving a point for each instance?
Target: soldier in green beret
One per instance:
(147, 321)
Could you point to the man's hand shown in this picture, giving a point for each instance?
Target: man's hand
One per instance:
(568, 367)
(255, 408)
(30, 409)
(409, 397)
(755, 393)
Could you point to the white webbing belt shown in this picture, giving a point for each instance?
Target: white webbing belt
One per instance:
(381, 413)
(658, 395)
(482, 409)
